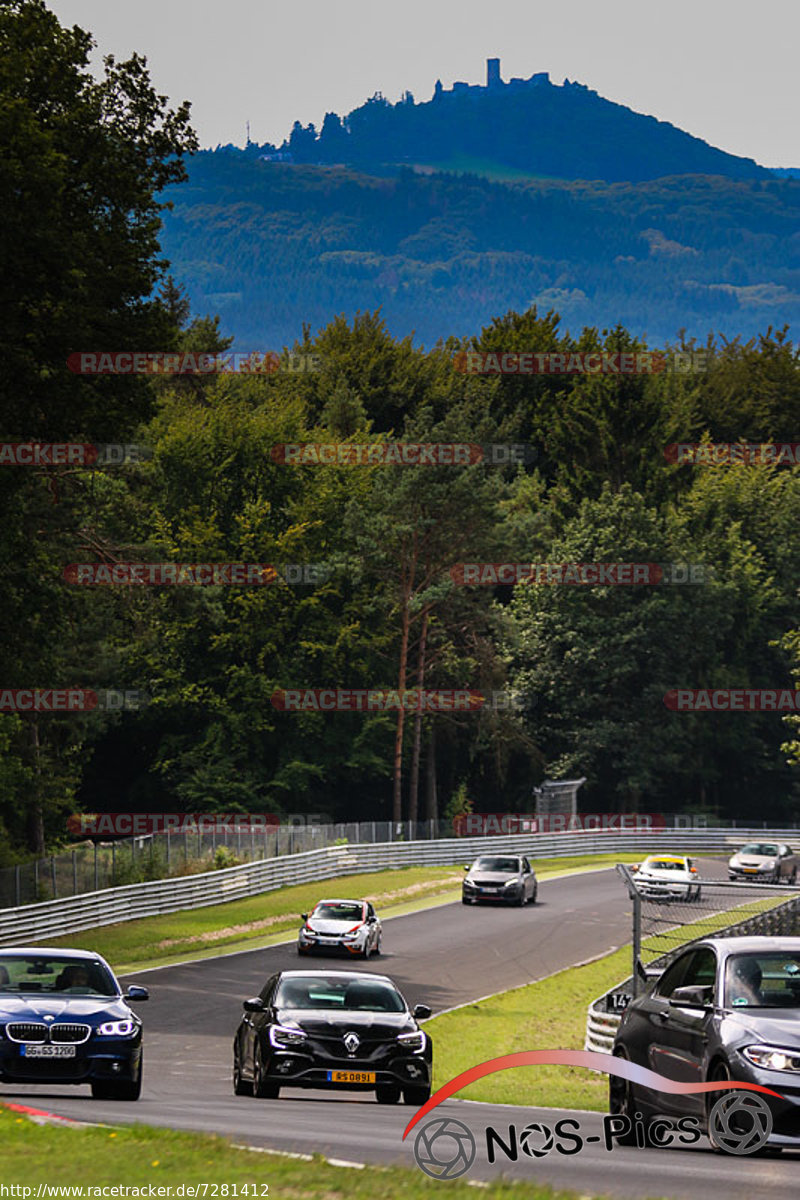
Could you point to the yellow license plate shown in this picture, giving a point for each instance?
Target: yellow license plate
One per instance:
(351, 1076)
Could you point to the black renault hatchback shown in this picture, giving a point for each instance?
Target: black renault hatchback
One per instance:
(64, 1019)
(336, 1030)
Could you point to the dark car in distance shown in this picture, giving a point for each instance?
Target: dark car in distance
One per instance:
(64, 1018)
(501, 878)
(340, 1030)
(725, 1008)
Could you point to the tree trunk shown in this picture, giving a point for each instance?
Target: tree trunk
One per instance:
(37, 810)
(397, 782)
(430, 771)
(413, 803)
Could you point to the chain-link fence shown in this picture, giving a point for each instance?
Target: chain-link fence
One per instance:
(669, 913)
(91, 866)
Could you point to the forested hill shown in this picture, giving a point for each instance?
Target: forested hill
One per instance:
(273, 245)
(531, 126)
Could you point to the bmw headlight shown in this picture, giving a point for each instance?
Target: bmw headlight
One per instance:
(117, 1029)
(282, 1036)
(412, 1041)
(773, 1058)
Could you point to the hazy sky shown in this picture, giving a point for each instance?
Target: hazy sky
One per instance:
(724, 70)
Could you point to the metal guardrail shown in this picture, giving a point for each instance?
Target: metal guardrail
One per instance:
(112, 905)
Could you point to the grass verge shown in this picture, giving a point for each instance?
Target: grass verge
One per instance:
(140, 1157)
(267, 918)
(551, 1015)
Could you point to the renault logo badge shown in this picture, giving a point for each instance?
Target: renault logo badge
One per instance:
(351, 1042)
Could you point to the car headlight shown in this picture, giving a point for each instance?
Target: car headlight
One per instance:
(773, 1058)
(512, 883)
(412, 1041)
(116, 1029)
(282, 1035)
(469, 883)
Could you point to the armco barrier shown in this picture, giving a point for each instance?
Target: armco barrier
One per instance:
(75, 913)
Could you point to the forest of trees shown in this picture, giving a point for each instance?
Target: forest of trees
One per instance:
(83, 270)
(274, 246)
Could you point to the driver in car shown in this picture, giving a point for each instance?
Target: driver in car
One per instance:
(746, 979)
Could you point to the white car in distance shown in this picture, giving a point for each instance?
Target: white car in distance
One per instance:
(668, 877)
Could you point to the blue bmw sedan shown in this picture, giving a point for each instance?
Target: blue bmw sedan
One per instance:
(64, 1018)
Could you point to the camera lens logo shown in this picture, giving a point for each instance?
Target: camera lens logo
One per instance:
(536, 1140)
(740, 1123)
(444, 1148)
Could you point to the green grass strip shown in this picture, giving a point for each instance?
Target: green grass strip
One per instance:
(141, 1156)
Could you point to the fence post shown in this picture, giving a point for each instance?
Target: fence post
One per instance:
(74, 872)
(96, 882)
(17, 889)
(168, 850)
(36, 880)
(53, 876)
(637, 939)
(113, 864)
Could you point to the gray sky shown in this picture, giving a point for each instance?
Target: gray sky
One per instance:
(724, 70)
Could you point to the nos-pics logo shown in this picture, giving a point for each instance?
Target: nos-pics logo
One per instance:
(739, 1122)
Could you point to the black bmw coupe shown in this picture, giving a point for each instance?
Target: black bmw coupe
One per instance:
(336, 1030)
(64, 1019)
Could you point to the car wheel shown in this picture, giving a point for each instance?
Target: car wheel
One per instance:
(520, 901)
(793, 876)
(261, 1087)
(416, 1096)
(622, 1102)
(365, 953)
(241, 1086)
(377, 949)
(534, 894)
(387, 1093)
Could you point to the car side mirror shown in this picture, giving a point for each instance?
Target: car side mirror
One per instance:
(254, 1005)
(466, 868)
(136, 993)
(691, 997)
(371, 920)
(421, 1012)
(303, 916)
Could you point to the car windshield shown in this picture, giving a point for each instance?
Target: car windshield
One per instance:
(765, 849)
(769, 980)
(338, 911)
(664, 864)
(503, 865)
(74, 976)
(339, 994)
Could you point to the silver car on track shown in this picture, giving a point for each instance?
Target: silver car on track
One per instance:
(351, 926)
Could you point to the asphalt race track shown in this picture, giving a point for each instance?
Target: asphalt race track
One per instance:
(442, 957)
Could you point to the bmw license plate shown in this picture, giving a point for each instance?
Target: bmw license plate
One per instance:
(351, 1076)
(47, 1051)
